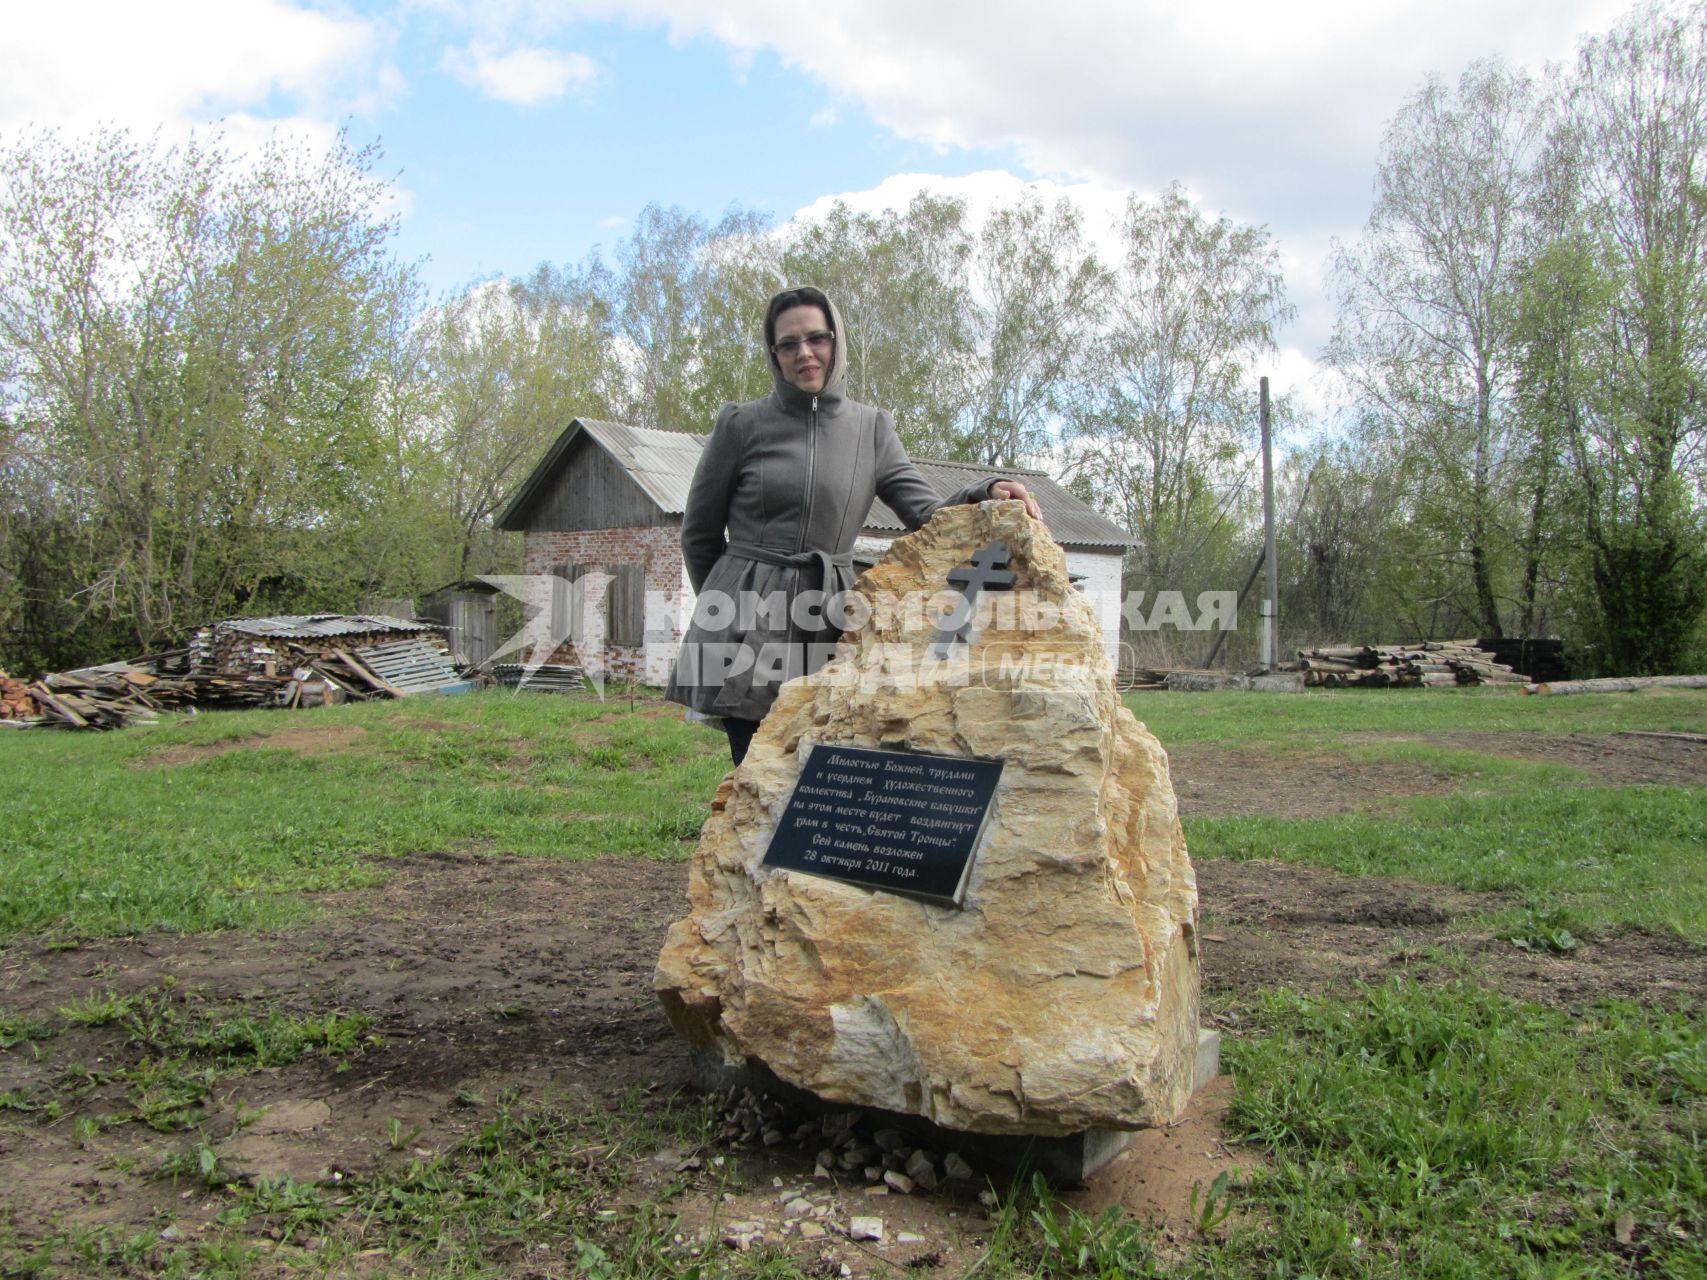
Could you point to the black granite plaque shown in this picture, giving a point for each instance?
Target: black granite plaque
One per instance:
(890, 820)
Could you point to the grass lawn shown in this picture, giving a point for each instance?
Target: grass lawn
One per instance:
(1403, 1129)
(1580, 856)
(1329, 715)
(208, 823)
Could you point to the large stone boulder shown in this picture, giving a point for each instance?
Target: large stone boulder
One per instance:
(1063, 995)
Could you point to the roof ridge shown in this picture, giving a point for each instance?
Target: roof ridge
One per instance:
(984, 468)
(661, 463)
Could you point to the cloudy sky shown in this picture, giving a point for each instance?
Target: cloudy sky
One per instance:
(525, 130)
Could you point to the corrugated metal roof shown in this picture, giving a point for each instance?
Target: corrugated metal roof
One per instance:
(663, 463)
(1072, 523)
(298, 626)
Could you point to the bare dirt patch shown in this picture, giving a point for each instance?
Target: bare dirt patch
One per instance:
(1270, 924)
(1609, 759)
(309, 740)
(488, 976)
(1214, 780)
(492, 977)
(1160, 1174)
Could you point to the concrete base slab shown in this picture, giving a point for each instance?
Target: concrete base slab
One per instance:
(1208, 1057)
(1064, 1161)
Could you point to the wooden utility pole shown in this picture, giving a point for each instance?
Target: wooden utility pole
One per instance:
(1270, 606)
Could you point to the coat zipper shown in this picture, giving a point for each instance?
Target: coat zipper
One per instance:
(805, 520)
(811, 467)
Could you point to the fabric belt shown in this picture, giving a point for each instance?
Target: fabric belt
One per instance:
(824, 560)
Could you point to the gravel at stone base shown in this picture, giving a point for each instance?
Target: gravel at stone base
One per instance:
(487, 975)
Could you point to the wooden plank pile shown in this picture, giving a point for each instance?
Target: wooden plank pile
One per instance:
(243, 663)
(97, 698)
(1129, 675)
(1427, 663)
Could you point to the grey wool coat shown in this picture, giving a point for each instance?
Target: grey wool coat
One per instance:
(780, 495)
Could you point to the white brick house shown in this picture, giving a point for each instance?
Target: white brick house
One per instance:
(608, 498)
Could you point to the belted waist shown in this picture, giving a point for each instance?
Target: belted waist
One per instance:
(826, 561)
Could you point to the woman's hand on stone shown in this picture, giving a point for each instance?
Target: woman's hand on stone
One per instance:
(1014, 489)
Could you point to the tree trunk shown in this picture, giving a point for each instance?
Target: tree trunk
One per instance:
(1561, 687)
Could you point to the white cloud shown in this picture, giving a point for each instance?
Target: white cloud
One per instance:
(824, 118)
(1065, 82)
(148, 66)
(1129, 91)
(1271, 113)
(251, 72)
(525, 77)
(1295, 373)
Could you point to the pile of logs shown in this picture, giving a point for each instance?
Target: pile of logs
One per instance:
(119, 694)
(1426, 663)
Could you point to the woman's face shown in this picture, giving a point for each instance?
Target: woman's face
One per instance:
(803, 347)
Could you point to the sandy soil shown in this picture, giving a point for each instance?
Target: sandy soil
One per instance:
(490, 975)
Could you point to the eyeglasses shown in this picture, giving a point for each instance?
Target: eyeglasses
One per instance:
(789, 348)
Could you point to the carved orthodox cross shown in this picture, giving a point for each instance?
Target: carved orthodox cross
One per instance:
(989, 568)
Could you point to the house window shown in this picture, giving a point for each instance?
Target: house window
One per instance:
(627, 604)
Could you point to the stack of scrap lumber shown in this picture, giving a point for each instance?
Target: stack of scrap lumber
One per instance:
(298, 661)
(271, 646)
(326, 657)
(107, 697)
(1425, 663)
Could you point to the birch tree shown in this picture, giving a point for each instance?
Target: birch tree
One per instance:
(1619, 341)
(509, 364)
(899, 279)
(685, 306)
(1169, 404)
(1034, 293)
(1426, 305)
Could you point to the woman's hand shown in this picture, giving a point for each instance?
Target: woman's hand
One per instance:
(1014, 489)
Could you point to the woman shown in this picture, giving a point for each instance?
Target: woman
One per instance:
(791, 478)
